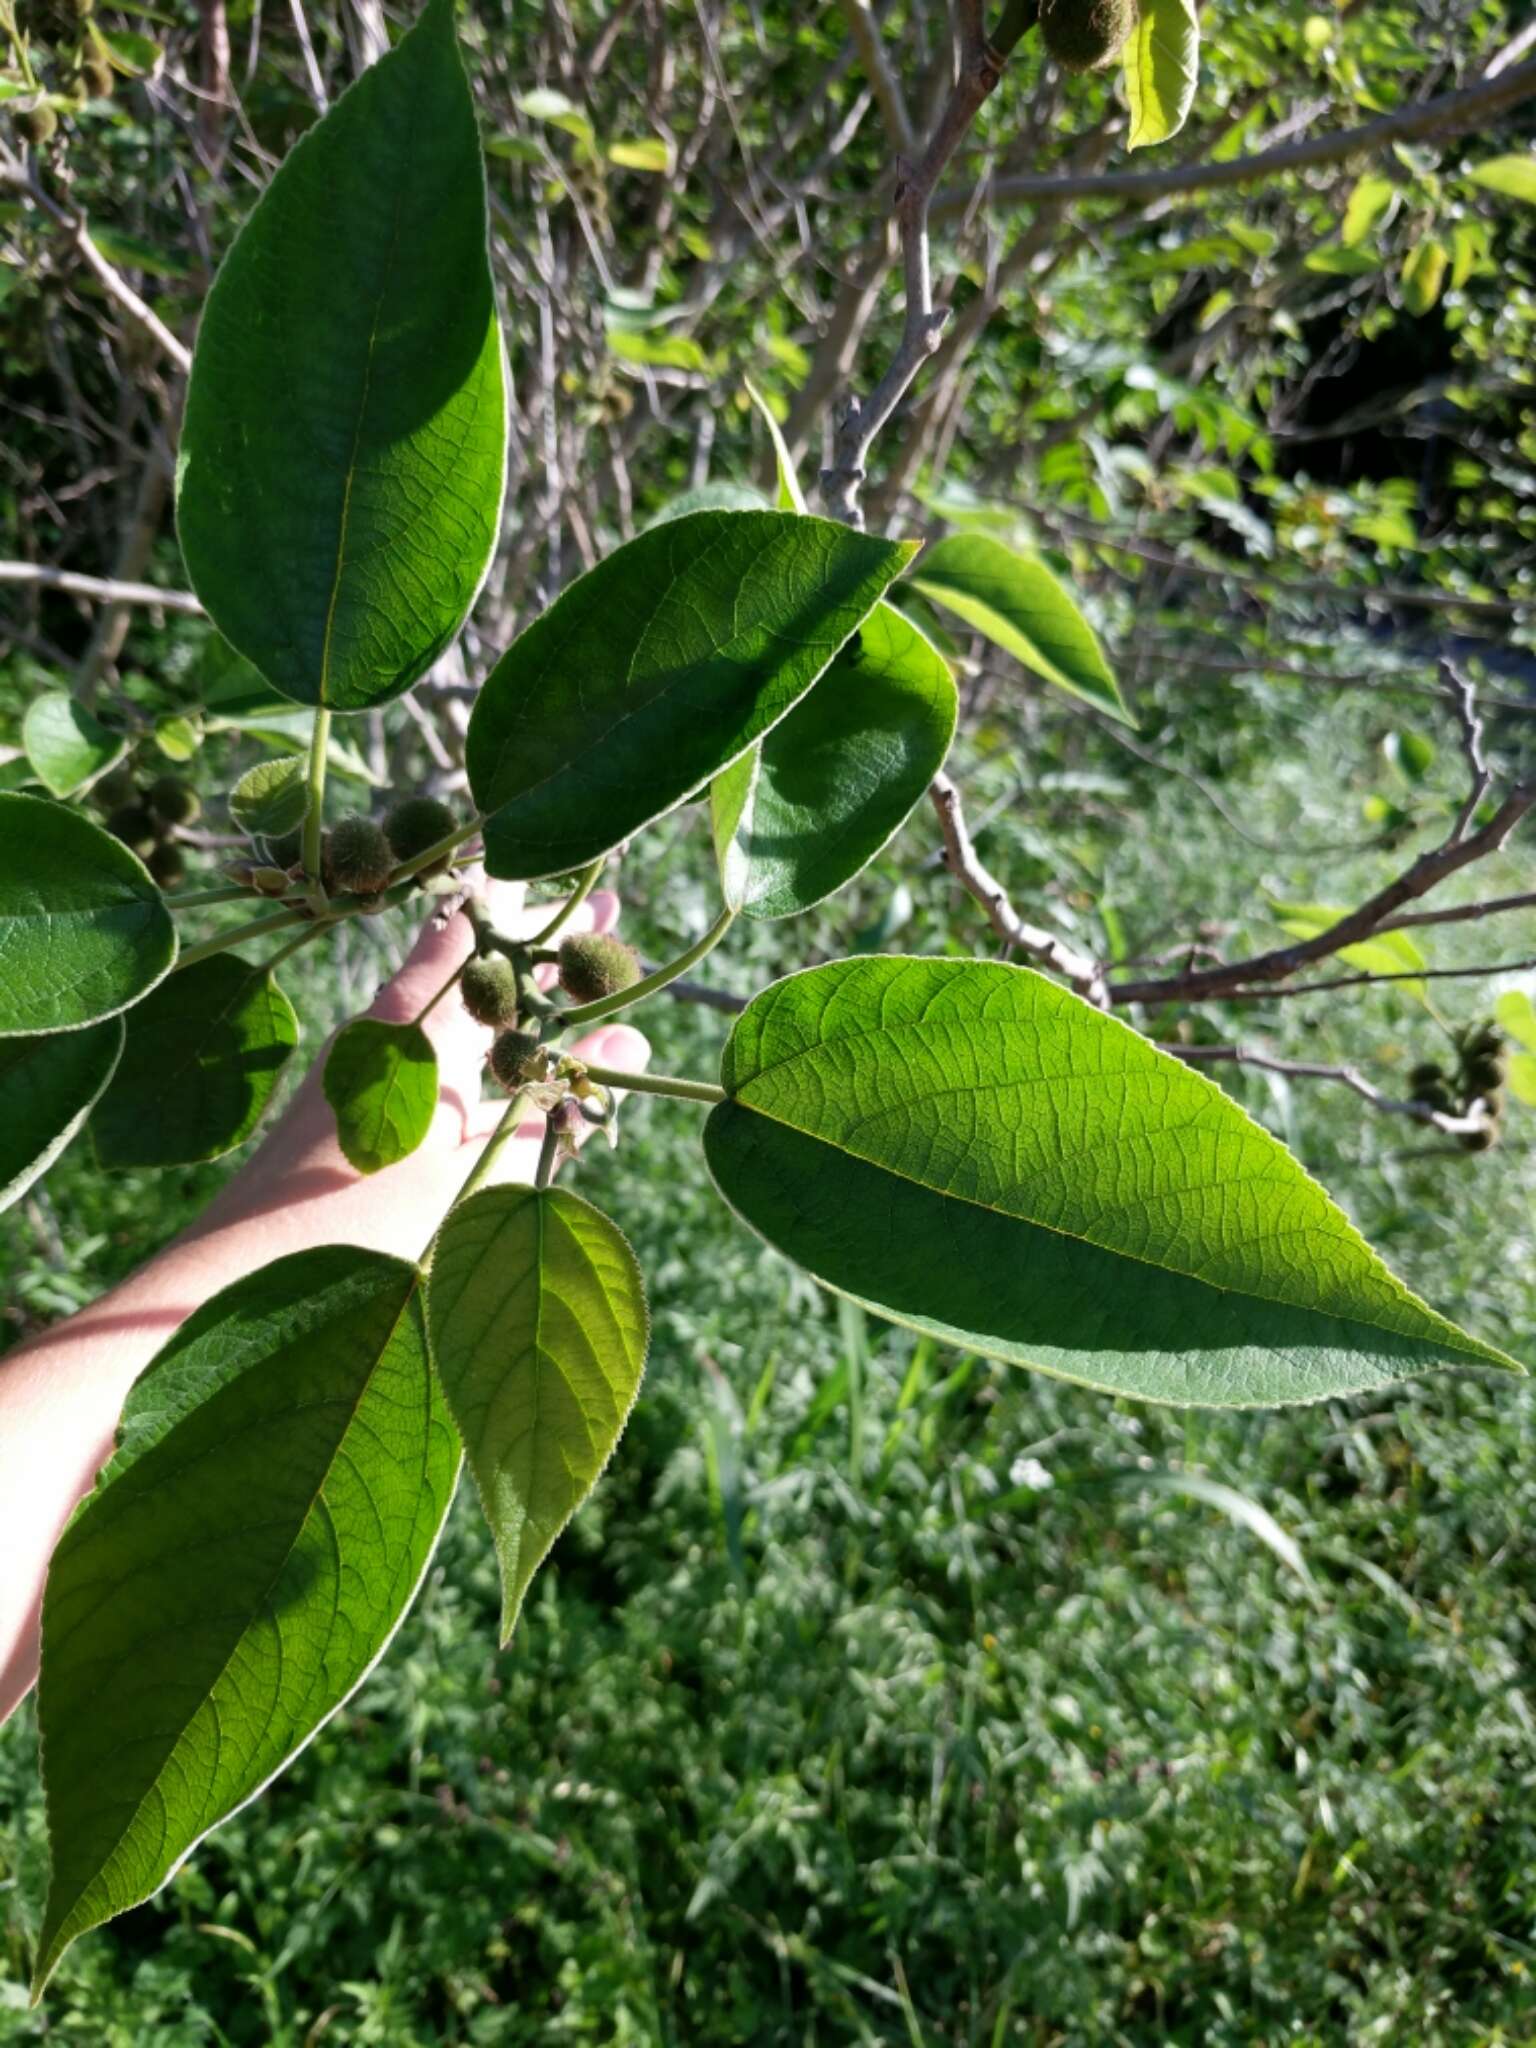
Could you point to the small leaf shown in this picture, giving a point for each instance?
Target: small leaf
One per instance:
(343, 456)
(66, 745)
(1522, 1077)
(1514, 176)
(538, 1322)
(801, 815)
(654, 671)
(178, 738)
(658, 350)
(1161, 67)
(381, 1080)
(281, 1475)
(1410, 753)
(1017, 604)
(971, 1150)
(205, 1051)
(1382, 953)
(641, 153)
(47, 1088)
(1370, 205)
(272, 798)
(1423, 276)
(1516, 1014)
(791, 497)
(558, 111)
(84, 932)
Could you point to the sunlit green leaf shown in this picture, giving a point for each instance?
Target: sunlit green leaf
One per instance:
(381, 1081)
(1513, 176)
(273, 797)
(1161, 67)
(67, 745)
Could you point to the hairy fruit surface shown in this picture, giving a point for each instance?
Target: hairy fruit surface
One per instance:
(595, 964)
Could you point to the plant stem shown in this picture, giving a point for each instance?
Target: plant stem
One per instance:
(549, 1152)
(607, 1006)
(296, 943)
(256, 929)
(480, 1171)
(197, 898)
(655, 1084)
(314, 817)
(571, 905)
(451, 982)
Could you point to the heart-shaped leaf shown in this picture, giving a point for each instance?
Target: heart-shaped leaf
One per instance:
(205, 1051)
(967, 1148)
(537, 1315)
(1161, 67)
(803, 813)
(381, 1080)
(84, 932)
(1018, 605)
(47, 1088)
(654, 671)
(343, 457)
(282, 1471)
(272, 798)
(66, 744)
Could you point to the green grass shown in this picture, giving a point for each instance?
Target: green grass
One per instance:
(884, 1695)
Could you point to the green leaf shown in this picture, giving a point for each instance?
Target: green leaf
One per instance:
(1516, 1014)
(791, 497)
(538, 1322)
(282, 1471)
(204, 1053)
(558, 111)
(66, 745)
(659, 351)
(654, 671)
(1382, 953)
(1514, 176)
(1522, 1077)
(381, 1080)
(272, 798)
(801, 815)
(47, 1088)
(1161, 67)
(971, 1150)
(344, 450)
(641, 153)
(1410, 753)
(1017, 604)
(178, 738)
(1424, 275)
(84, 932)
(719, 495)
(1369, 206)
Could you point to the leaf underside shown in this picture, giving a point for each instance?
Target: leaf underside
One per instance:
(47, 1088)
(283, 1469)
(967, 1148)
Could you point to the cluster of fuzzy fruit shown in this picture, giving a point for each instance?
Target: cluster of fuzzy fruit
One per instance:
(590, 967)
(146, 818)
(1478, 1077)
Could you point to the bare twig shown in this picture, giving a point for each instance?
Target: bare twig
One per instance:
(893, 105)
(1464, 703)
(99, 589)
(1348, 1077)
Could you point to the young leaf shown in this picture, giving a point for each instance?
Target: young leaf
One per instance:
(1161, 64)
(47, 1087)
(656, 670)
(1019, 606)
(1383, 953)
(381, 1080)
(969, 1149)
(84, 932)
(1423, 276)
(1370, 203)
(1514, 176)
(273, 797)
(537, 1316)
(344, 451)
(808, 809)
(790, 496)
(66, 745)
(204, 1053)
(281, 1474)
(1516, 1014)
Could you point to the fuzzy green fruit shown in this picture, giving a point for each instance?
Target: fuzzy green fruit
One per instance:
(1425, 1074)
(1479, 1141)
(116, 788)
(357, 858)
(168, 864)
(415, 824)
(135, 826)
(595, 964)
(488, 987)
(516, 1057)
(1484, 1073)
(1084, 35)
(36, 125)
(174, 801)
(286, 850)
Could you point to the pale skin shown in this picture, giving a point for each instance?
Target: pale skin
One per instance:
(61, 1392)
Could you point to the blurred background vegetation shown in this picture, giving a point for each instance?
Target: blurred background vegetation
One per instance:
(882, 1694)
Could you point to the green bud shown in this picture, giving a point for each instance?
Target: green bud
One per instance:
(595, 964)
(415, 824)
(357, 858)
(135, 826)
(1484, 1072)
(36, 125)
(1085, 35)
(116, 788)
(517, 1057)
(1479, 1141)
(173, 800)
(488, 987)
(97, 74)
(1425, 1074)
(168, 864)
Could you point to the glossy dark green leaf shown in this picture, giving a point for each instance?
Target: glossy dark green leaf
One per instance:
(47, 1088)
(381, 1081)
(282, 1471)
(967, 1148)
(344, 449)
(804, 812)
(538, 1322)
(204, 1053)
(1017, 604)
(84, 932)
(654, 671)
(67, 745)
